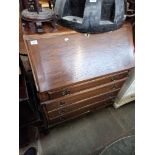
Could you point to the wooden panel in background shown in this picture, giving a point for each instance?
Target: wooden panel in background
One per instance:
(22, 48)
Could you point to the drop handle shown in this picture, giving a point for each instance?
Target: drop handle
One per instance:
(65, 92)
(62, 103)
(112, 79)
(61, 111)
(114, 87)
(61, 118)
(50, 94)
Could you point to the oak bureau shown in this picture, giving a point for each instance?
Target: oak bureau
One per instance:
(78, 73)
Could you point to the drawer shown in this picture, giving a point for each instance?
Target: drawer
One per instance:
(80, 112)
(67, 100)
(72, 107)
(81, 86)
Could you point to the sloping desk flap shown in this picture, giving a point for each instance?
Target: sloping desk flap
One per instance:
(59, 60)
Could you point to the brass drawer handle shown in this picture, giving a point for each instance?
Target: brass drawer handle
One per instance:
(61, 111)
(113, 79)
(50, 95)
(62, 103)
(65, 92)
(61, 118)
(114, 87)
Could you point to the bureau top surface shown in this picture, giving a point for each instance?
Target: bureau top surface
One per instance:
(60, 60)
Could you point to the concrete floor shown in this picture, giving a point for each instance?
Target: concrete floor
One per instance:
(89, 135)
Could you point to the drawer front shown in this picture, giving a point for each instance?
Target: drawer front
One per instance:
(81, 86)
(79, 112)
(67, 100)
(66, 109)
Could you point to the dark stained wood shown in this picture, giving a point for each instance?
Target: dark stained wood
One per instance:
(79, 112)
(82, 103)
(74, 88)
(22, 48)
(57, 63)
(86, 93)
(23, 94)
(48, 32)
(75, 73)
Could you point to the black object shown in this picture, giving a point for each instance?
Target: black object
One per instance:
(90, 16)
(29, 112)
(31, 151)
(124, 146)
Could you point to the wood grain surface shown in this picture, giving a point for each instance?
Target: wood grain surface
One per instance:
(59, 60)
(77, 105)
(80, 86)
(79, 112)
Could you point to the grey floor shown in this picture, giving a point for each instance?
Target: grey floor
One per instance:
(89, 135)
